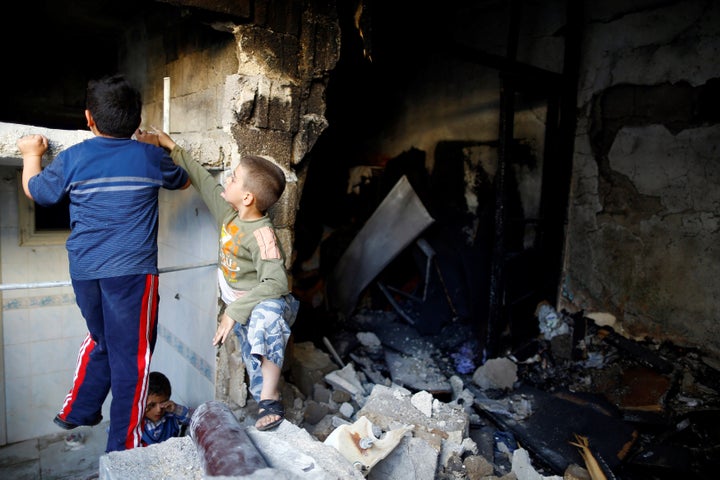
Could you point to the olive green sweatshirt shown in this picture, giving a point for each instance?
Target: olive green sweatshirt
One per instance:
(250, 258)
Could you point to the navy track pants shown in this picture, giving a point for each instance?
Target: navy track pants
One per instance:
(121, 317)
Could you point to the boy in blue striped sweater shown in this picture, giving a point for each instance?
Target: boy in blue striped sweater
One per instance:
(112, 182)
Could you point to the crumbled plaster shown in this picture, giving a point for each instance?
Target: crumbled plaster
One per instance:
(641, 219)
(669, 41)
(658, 271)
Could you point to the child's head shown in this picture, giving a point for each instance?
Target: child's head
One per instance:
(159, 392)
(115, 106)
(262, 178)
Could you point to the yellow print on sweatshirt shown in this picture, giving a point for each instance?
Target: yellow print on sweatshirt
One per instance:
(230, 237)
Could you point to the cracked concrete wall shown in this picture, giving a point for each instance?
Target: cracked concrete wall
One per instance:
(253, 88)
(642, 228)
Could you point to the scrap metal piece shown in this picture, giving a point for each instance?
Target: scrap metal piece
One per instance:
(359, 445)
(399, 219)
(395, 304)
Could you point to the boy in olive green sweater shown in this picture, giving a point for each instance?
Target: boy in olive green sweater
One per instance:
(253, 281)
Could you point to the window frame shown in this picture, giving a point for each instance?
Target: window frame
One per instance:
(29, 235)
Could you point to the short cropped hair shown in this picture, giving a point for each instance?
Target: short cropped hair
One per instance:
(115, 105)
(264, 179)
(159, 384)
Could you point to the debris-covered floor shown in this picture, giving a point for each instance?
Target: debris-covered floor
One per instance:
(378, 400)
(403, 302)
(576, 396)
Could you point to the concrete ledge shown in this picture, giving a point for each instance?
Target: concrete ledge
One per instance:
(290, 451)
(58, 140)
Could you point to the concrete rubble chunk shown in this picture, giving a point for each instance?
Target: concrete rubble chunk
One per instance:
(346, 379)
(369, 340)
(346, 410)
(413, 459)
(292, 449)
(58, 140)
(523, 469)
(388, 407)
(416, 372)
(175, 458)
(496, 373)
(423, 401)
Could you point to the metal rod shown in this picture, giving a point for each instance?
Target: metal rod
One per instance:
(19, 286)
(333, 352)
(186, 267)
(395, 304)
(67, 283)
(166, 104)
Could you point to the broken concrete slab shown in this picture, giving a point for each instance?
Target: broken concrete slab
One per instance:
(346, 379)
(58, 140)
(413, 459)
(292, 449)
(410, 357)
(289, 450)
(387, 407)
(417, 373)
(174, 458)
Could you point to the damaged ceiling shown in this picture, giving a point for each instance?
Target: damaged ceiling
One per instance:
(64, 44)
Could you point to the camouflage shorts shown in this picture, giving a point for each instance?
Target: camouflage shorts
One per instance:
(266, 335)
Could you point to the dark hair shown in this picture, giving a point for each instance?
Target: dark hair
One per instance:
(264, 179)
(159, 384)
(115, 105)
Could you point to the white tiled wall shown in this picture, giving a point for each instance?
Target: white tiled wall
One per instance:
(43, 328)
(188, 298)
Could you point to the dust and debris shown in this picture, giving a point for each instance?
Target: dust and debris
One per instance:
(175, 458)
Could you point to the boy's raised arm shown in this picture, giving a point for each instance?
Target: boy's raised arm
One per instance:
(32, 148)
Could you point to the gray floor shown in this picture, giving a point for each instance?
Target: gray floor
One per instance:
(52, 458)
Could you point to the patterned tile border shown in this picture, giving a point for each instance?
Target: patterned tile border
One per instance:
(39, 301)
(186, 352)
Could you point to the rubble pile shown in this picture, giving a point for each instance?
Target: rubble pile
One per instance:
(378, 400)
(632, 401)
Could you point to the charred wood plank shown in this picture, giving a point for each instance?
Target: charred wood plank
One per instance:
(639, 353)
